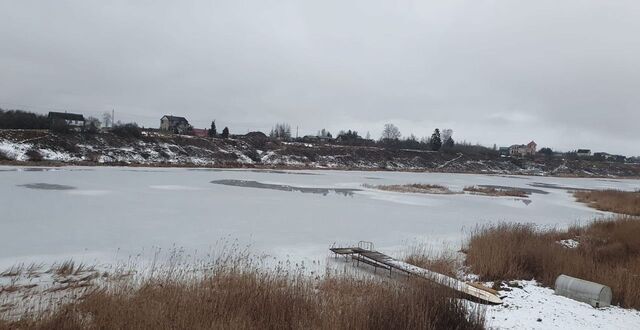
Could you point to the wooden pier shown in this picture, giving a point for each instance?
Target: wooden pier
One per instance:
(366, 254)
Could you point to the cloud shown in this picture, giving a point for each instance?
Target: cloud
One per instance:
(563, 73)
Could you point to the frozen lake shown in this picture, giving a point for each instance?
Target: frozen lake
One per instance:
(104, 214)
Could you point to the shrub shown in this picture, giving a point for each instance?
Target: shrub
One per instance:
(34, 155)
(130, 130)
(18, 119)
(60, 126)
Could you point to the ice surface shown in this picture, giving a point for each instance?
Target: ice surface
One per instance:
(115, 213)
(128, 215)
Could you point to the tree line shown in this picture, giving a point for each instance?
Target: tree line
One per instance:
(391, 137)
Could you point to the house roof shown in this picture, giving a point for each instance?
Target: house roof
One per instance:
(66, 116)
(175, 119)
(584, 151)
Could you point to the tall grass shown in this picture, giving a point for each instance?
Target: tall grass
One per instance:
(608, 253)
(421, 188)
(492, 191)
(625, 202)
(236, 298)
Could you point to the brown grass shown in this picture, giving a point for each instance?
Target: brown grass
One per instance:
(234, 299)
(490, 191)
(608, 253)
(444, 262)
(415, 188)
(624, 202)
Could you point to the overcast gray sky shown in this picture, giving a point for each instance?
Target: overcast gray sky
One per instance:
(563, 73)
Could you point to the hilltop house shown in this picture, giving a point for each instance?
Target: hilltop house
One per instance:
(521, 150)
(71, 120)
(175, 124)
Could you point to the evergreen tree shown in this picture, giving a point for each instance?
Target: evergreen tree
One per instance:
(448, 144)
(225, 133)
(213, 132)
(436, 142)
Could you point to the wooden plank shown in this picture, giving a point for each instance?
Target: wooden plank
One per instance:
(450, 282)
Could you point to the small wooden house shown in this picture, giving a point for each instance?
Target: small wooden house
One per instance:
(70, 120)
(175, 124)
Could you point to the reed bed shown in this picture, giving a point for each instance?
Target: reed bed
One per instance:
(624, 202)
(420, 188)
(492, 191)
(234, 296)
(607, 252)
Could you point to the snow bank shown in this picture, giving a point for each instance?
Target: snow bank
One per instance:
(536, 307)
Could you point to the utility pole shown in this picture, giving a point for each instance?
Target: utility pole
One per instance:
(113, 117)
(296, 132)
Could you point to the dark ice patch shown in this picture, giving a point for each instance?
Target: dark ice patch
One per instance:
(38, 169)
(281, 187)
(555, 186)
(46, 186)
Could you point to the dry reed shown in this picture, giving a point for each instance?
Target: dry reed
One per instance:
(624, 202)
(415, 188)
(492, 191)
(236, 298)
(608, 252)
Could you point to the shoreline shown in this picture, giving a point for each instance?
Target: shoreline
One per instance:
(239, 166)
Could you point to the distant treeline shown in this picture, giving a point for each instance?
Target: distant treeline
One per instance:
(18, 119)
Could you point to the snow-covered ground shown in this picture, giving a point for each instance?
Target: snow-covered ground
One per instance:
(536, 307)
(105, 215)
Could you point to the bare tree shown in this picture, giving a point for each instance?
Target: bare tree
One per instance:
(281, 131)
(92, 124)
(390, 132)
(445, 134)
(324, 133)
(107, 120)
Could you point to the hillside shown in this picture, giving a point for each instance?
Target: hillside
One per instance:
(42, 147)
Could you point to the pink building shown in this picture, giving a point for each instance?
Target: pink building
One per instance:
(522, 150)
